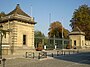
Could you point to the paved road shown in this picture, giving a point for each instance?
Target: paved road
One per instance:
(74, 60)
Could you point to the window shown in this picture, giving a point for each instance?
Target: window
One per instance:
(74, 42)
(24, 39)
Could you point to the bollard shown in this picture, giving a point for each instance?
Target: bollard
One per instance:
(61, 52)
(33, 55)
(46, 54)
(52, 54)
(57, 53)
(73, 51)
(3, 62)
(77, 51)
(26, 55)
(69, 52)
(39, 56)
(64, 52)
(0, 61)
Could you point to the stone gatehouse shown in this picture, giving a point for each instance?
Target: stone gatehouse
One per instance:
(78, 39)
(20, 37)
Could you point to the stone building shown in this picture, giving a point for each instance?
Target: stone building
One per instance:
(20, 37)
(77, 38)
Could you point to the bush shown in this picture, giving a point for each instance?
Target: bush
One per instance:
(68, 46)
(40, 47)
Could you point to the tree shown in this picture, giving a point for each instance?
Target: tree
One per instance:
(56, 30)
(81, 19)
(2, 14)
(39, 36)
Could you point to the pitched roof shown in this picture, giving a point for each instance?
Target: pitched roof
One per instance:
(18, 10)
(76, 31)
(17, 14)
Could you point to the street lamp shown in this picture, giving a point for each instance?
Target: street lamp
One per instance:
(2, 33)
(1, 27)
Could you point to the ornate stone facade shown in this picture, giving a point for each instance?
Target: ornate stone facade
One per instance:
(20, 37)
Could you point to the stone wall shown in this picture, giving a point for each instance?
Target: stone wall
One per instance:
(14, 38)
(87, 43)
(78, 39)
(25, 29)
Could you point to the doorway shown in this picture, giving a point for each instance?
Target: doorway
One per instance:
(74, 44)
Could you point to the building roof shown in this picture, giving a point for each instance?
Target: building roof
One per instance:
(76, 31)
(18, 10)
(19, 15)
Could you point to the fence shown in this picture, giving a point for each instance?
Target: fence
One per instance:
(53, 43)
(45, 54)
(38, 55)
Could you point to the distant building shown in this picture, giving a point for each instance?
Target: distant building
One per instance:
(77, 38)
(21, 36)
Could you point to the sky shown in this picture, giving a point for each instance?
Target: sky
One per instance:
(60, 10)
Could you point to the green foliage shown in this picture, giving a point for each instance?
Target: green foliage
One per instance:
(81, 19)
(40, 47)
(38, 38)
(56, 30)
(2, 14)
(38, 34)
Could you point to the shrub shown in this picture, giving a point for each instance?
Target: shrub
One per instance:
(40, 47)
(68, 46)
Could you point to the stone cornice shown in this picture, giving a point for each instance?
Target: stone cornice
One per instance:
(76, 33)
(18, 17)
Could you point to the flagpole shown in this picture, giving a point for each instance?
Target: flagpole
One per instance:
(49, 25)
(50, 20)
(31, 10)
(62, 28)
(62, 35)
(49, 17)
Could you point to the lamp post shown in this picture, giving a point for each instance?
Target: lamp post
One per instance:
(1, 27)
(2, 33)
